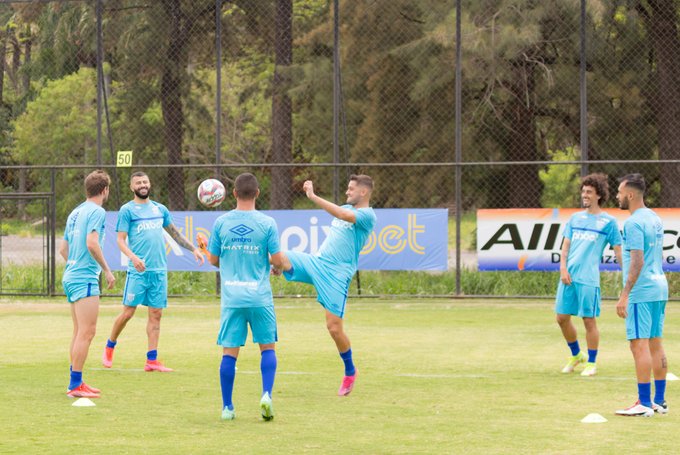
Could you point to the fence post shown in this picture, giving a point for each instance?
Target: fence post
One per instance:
(218, 91)
(98, 12)
(52, 278)
(336, 99)
(583, 108)
(458, 143)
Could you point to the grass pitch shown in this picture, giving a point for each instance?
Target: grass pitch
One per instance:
(435, 376)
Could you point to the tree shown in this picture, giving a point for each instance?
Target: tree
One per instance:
(282, 119)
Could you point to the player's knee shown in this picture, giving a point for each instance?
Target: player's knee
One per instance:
(562, 319)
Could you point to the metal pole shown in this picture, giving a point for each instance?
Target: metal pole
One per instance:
(218, 92)
(458, 144)
(583, 108)
(53, 230)
(100, 84)
(336, 98)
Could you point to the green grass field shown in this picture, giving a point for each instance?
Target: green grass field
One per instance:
(435, 376)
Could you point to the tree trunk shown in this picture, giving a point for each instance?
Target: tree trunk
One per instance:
(663, 33)
(282, 109)
(176, 60)
(26, 76)
(3, 54)
(523, 186)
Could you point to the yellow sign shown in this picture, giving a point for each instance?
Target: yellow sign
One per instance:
(124, 158)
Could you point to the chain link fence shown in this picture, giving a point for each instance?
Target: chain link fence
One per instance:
(319, 89)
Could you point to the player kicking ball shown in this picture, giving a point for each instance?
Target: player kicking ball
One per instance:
(241, 244)
(330, 270)
(586, 235)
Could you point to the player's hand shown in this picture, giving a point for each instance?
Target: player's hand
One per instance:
(139, 264)
(198, 254)
(622, 306)
(308, 188)
(565, 277)
(110, 279)
(276, 272)
(202, 242)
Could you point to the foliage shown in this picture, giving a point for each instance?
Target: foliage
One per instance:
(561, 182)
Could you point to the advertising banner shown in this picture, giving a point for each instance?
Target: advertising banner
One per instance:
(403, 239)
(531, 239)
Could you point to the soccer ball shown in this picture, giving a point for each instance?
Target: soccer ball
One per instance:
(211, 193)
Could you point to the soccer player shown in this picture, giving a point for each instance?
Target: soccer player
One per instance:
(241, 243)
(82, 251)
(140, 237)
(332, 268)
(643, 299)
(586, 235)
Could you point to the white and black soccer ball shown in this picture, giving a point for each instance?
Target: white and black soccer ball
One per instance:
(211, 193)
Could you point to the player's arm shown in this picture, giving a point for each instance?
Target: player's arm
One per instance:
(333, 209)
(214, 260)
(279, 262)
(97, 254)
(619, 255)
(137, 263)
(184, 242)
(564, 274)
(637, 260)
(63, 249)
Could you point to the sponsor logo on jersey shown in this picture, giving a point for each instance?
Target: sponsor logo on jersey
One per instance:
(242, 231)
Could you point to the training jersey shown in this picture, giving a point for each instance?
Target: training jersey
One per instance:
(243, 240)
(144, 225)
(644, 231)
(589, 234)
(345, 240)
(80, 265)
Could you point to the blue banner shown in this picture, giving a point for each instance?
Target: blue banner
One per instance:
(403, 239)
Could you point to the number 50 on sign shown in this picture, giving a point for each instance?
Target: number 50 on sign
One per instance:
(124, 158)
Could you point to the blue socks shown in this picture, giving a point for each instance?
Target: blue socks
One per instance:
(152, 355)
(349, 365)
(659, 391)
(645, 394)
(574, 347)
(268, 369)
(76, 379)
(592, 355)
(111, 344)
(227, 375)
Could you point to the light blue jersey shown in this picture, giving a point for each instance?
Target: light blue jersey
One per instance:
(144, 225)
(346, 240)
(243, 240)
(81, 266)
(644, 231)
(589, 235)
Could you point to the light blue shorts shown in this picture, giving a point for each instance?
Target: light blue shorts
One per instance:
(645, 320)
(578, 300)
(331, 287)
(235, 321)
(147, 288)
(77, 291)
